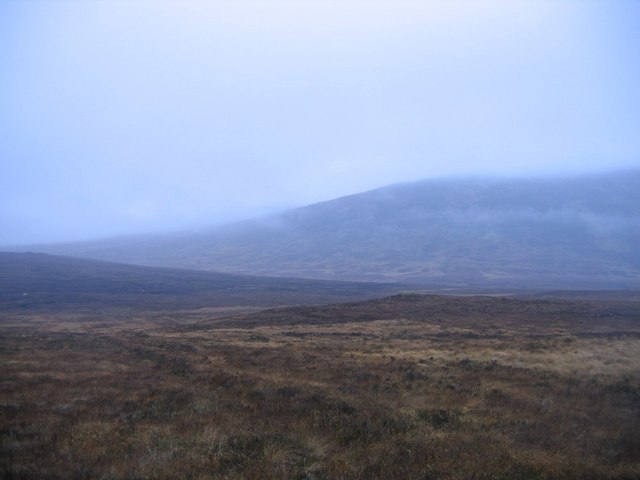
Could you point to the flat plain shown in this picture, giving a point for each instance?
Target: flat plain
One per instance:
(407, 386)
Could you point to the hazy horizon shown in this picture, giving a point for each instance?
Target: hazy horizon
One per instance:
(274, 216)
(136, 117)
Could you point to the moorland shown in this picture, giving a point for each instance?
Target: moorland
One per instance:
(510, 385)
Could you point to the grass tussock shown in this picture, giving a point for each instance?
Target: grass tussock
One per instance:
(472, 390)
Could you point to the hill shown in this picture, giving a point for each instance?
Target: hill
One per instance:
(571, 232)
(39, 282)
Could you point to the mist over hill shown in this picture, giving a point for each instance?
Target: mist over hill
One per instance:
(570, 232)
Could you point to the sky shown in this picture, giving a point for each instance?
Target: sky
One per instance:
(129, 117)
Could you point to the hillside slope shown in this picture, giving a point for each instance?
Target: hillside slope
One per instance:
(573, 232)
(32, 281)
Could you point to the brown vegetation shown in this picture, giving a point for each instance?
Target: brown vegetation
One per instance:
(415, 387)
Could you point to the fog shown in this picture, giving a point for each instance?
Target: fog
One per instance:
(121, 117)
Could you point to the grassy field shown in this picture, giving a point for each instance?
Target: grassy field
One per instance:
(415, 387)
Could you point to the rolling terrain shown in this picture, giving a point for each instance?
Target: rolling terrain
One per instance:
(39, 282)
(406, 386)
(119, 371)
(125, 371)
(567, 233)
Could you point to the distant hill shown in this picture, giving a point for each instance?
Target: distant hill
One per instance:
(571, 232)
(35, 281)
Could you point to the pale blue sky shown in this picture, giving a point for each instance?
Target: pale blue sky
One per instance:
(137, 116)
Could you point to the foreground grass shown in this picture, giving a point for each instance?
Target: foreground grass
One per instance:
(469, 388)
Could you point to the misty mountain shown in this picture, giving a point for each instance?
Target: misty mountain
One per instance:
(571, 232)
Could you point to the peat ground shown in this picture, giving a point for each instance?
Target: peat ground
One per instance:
(408, 386)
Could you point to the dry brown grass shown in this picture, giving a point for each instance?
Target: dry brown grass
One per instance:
(482, 390)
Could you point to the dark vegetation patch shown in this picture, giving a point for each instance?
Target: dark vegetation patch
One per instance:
(602, 318)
